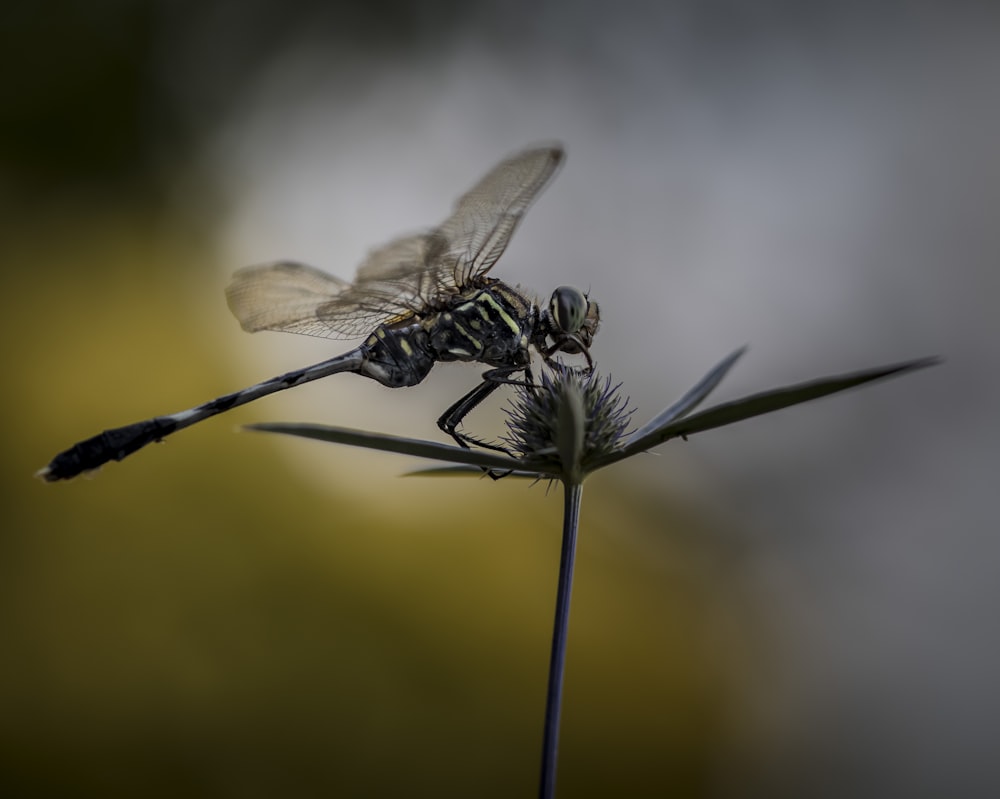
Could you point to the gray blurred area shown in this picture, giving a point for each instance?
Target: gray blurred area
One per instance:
(819, 180)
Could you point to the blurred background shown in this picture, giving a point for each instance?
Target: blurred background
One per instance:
(803, 604)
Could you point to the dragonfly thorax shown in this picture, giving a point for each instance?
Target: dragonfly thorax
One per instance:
(492, 325)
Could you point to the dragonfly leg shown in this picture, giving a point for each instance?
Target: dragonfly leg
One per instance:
(548, 353)
(452, 418)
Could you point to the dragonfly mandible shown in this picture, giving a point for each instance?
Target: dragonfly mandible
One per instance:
(419, 299)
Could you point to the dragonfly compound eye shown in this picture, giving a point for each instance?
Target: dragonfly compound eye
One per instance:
(569, 307)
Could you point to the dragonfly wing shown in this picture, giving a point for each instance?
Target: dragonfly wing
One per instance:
(403, 261)
(469, 242)
(486, 216)
(406, 277)
(395, 281)
(286, 296)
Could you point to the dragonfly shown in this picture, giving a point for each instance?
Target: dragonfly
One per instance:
(419, 299)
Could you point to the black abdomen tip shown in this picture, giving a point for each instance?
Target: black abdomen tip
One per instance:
(111, 445)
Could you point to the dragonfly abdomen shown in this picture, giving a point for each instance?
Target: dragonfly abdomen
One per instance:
(118, 443)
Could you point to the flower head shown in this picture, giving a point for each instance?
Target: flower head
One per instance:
(570, 419)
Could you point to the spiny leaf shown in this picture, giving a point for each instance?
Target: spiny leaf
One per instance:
(386, 443)
(764, 402)
(691, 399)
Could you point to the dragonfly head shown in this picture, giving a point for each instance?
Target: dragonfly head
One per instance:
(573, 319)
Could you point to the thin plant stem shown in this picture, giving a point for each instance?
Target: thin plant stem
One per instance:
(557, 662)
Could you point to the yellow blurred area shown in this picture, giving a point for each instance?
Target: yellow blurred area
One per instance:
(197, 621)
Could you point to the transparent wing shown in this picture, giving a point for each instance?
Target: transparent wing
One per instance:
(472, 239)
(408, 276)
(285, 296)
(487, 215)
(396, 281)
